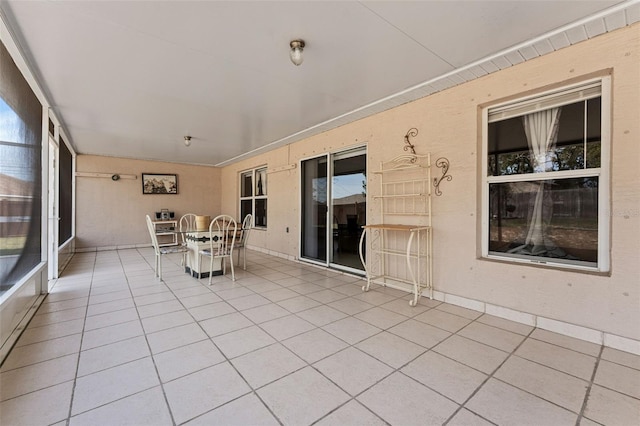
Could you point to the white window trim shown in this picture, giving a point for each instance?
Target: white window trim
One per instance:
(603, 173)
(253, 196)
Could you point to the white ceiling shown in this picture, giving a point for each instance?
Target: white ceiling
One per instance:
(132, 78)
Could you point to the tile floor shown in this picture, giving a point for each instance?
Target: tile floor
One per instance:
(292, 344)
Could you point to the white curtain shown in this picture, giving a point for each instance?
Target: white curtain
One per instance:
(541, 129)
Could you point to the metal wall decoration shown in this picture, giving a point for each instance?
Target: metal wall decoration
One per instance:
(412, 132)
(442, 163)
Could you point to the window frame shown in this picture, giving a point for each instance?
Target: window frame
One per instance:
(603, 173)
(23, 98)
(254, 197)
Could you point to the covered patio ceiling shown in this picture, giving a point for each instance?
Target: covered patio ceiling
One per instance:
(132, 78)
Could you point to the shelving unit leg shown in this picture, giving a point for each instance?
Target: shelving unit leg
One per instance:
(413, 301)
(364, 263)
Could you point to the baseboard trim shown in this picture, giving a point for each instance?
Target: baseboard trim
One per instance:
(566, 329)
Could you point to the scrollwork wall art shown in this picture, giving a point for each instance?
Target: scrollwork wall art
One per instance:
(412, 132)
(442, 163)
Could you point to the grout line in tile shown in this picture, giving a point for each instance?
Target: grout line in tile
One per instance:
(35, 391)
(277, 341)
(124, 265)
(393, 371)
(107, 403)
(146, 338)
(75, 378)
(588, 392)
(226, 359)
(538, 397)
(566, 348)
(113, 366)
(489, 376)
(553, 368)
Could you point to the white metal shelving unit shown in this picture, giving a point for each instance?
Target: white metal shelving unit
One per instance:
(401, 245)
(167, 230)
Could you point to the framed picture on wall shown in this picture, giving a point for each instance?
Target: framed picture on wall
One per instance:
(154, 183)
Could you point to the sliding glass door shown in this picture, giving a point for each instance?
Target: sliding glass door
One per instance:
(348, 207)
(314, 210)
(334, 208)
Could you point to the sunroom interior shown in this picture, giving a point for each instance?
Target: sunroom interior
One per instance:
(520, 118)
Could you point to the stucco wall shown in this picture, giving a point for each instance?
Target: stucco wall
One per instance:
(111, 214)
(449, 126)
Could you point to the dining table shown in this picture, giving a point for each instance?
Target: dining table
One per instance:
(197, 240)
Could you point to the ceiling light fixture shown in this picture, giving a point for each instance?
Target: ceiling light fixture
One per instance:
(296, 51)
(187, 141)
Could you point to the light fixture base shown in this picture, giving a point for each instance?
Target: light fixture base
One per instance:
(297, 46)
(187, 140)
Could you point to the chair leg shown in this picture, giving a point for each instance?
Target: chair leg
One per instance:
(244, 257)
(233, 274)
(160, 267)
(211, 271)
(185, 261)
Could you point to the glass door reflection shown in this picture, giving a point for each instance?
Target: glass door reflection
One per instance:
(348, 206)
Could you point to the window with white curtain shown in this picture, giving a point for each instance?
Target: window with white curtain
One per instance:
(546, 178)
(253, 196)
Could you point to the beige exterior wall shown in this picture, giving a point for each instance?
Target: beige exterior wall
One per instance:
(449, 125)
(111, 214)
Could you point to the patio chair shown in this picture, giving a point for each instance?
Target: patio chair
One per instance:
(241, 243)
(160, 251)
(222, 237)
(187, 222)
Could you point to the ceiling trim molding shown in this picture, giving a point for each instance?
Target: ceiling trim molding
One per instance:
(611, 19)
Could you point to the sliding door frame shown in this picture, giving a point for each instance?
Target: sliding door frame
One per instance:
(329, 157)
(301, 241)
(342, 155)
